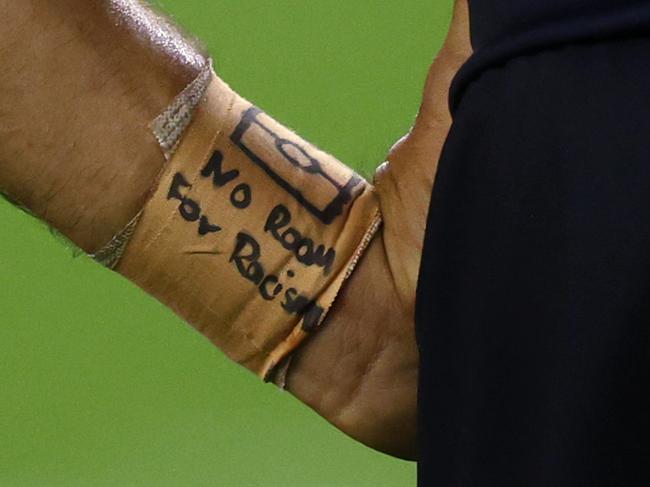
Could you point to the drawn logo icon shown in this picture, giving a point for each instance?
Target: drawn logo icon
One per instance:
(260, 138)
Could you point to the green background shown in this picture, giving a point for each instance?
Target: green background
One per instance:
(101, 385)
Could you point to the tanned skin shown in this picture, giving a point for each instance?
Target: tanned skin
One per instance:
(80, 84)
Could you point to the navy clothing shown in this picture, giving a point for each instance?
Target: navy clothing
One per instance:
(533, 304)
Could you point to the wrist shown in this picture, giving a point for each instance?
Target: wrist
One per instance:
(360, 370)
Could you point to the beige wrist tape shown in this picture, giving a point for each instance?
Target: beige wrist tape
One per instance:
(251, 231)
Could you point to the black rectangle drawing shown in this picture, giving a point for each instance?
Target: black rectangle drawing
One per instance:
(298, 157)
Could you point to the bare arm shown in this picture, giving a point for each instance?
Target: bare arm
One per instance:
(76, 149)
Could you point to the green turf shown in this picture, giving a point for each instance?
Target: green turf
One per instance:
(99, 384)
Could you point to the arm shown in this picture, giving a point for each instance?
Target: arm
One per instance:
(79, 154)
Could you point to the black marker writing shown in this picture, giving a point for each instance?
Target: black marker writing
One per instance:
(178, 182)
(307, 253)
(241, 196)
(214, 168)
(246, 258)
(188, 208)
(206, 227)
(298, 304)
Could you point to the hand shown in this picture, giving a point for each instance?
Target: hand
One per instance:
(360, 371)
(404, 183)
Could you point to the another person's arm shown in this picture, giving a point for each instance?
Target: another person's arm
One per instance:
(80, 85)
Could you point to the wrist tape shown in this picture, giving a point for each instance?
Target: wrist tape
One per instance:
(251, 231)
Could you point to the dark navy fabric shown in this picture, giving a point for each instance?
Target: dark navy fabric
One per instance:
(503, 29)
(533, 304)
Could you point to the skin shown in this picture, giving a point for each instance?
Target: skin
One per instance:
(78, 153)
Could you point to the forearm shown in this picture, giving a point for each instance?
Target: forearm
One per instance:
(81, 82)
(76, 149)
